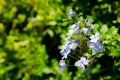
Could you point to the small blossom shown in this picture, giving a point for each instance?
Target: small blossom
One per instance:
(82, 67)
(67, 47)
(65, 52)
(95, 38)
(73, 44)
(71, 13)
(74, 26)
(74, 29)
(85, 31)
(86, 20)
(82, 62)
(71, 32)
(62, 64)
(98, 47)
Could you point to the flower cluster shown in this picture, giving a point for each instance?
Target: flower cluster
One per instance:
(74, 40)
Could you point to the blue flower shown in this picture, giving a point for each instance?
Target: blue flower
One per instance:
(85, 31)
(62, 64)
(87, 20)
(71, 13)
(73, 29)
(95, 38)
(73, 44)
(67, 47)
(65, 51)
(82, 62)
(98, 47)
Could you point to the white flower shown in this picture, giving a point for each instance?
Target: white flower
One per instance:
(95, 38)
(62, 64)
(82, 62)
(85, 31)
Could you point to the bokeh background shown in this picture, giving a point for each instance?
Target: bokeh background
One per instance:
(32, 30)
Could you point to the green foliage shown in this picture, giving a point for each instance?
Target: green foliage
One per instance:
(31, 30)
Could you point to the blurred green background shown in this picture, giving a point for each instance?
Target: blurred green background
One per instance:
(32, 30)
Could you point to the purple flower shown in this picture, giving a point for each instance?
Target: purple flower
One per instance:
(71, 13)
(82, 62)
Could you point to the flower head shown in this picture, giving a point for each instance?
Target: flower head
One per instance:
(72, 42)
